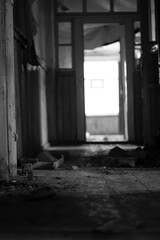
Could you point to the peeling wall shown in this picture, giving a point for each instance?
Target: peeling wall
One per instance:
(45, 48)
(32, 81)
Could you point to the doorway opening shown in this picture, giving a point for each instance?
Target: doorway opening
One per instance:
(105, 83)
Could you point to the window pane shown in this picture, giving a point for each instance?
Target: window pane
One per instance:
(68, 6)
(137, 44)
(98, 5)
(64, 33)
(125, 5)
(65, 57)
(137, 33)
(152, 21)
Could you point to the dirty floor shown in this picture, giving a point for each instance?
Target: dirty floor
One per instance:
(83, 202)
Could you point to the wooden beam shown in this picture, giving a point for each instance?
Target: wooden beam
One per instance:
(150, 79)
(8, 146)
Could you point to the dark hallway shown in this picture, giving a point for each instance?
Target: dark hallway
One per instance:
(71, 166)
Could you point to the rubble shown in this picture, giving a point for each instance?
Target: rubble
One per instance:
(18, 187)
(46, 156)
(43, 166)
(74, 167)
(117, 152)
(44, 161)
(58, 163)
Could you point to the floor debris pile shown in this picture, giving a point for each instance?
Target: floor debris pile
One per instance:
(147, 156)
(84, 195)
(44, 161)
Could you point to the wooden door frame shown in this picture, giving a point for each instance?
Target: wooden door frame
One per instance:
(129, 46)
(8, 145)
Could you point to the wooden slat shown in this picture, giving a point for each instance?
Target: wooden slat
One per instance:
(66, 101)
(8, 146)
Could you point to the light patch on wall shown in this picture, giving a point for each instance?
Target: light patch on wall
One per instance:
(97, 83)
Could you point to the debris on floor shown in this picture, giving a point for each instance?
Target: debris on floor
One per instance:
(147, 156)
(74, 167)
(114, 172)
(18, 187)
(28, 170)
(58, 162)
(44, 161)
(43, 165)
(117, 152)
(46, 156)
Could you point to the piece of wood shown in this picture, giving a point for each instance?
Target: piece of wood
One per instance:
(45, 156)
(8, 137)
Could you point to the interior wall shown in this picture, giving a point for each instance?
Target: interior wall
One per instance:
(150, 80)
(32, 81)
(45, 49)
(28, 104)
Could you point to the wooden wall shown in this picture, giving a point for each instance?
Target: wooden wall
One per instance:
(138, 106)
(66, 106)
(150, 79)
(35, 91)
(28, 104)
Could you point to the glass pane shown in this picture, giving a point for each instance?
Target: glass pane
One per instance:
(137, 44)
(65, 57)
(137, 33)
(152, 21)
(125, 5)
(64, 33)
(98, 5)
(68, 6)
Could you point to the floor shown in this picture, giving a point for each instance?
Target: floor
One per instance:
(80, 201)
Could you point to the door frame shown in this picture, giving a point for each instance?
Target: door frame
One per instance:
(78, 23)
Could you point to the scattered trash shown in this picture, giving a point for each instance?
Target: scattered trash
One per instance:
(127, 162)
(48, 162)
(139, 153)
(74, 167)
(58, 163)
(28, 170)
(117, 152)
(121, 158)
(113, 172)
(18, 187)
(43, 166)
(120, 161)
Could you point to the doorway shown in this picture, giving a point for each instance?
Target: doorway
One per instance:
(105, 82)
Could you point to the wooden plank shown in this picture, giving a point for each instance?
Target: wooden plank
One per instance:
(66, 93)
(59, 107)
(3, 111)
(66, 108)
(79, 59)
(145, 64)
(129, 41)
(73, 119)
(18, 87)
(51, 93)
(43, 106)
(8, 146)
(138, 106)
